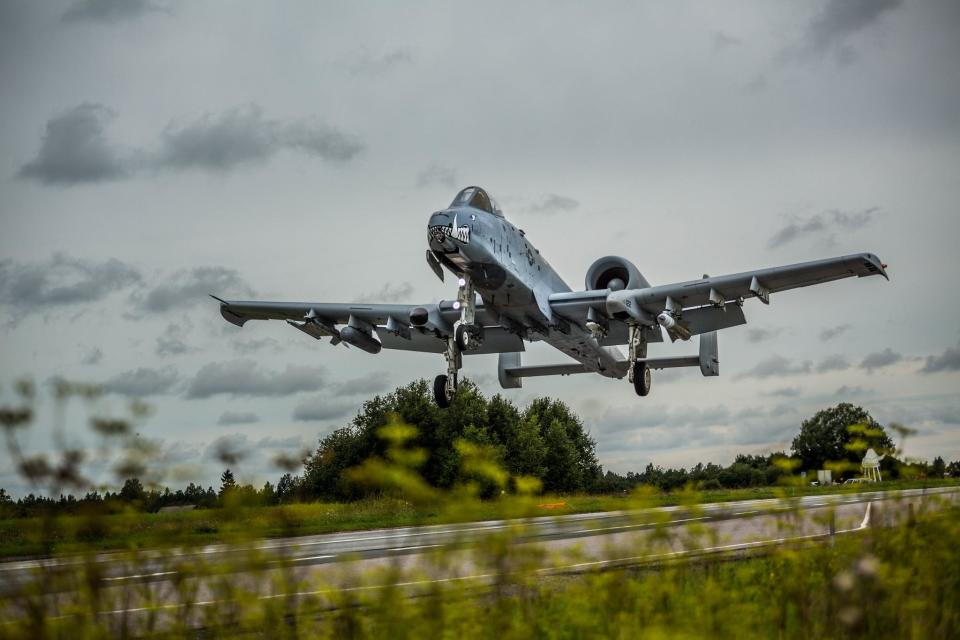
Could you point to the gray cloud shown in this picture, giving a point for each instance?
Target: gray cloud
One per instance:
(142, 382)
(758, 84)
(553, 203)
(375, 382)
(110, 10)
(822, 224)
(171, 343)
(190, 287)
(230, 449)
(880, 359)
(847, 391)
(835, 362)
(948, 414)
(723, 41)
(253, 345)
(318, 409)
(367, 64)
(245, 378)
(839, 19)
(785, 392)
(776, 366)
(242, 135)
(658, 428)
(92, 357)
(61, 281)
(436, 175)
(74, 149)
(830, 333)
(390, 292)
(760, 335)
(949, 360)
(238, 417)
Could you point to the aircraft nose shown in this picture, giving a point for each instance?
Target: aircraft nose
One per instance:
(438, 231)
(440, 218)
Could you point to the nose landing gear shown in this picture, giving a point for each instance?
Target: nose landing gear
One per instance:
(468, 336)
(445, 386)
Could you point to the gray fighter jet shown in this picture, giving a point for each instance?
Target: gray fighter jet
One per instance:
(521, 298)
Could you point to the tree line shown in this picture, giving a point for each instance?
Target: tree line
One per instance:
(545, 440)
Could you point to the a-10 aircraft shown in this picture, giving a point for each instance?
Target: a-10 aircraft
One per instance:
(523, 299)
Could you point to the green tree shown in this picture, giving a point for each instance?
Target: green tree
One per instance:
(323, 471)
(525, 449)
(518, 440)
(839, 433)
(227, 483)
(586, 468)
(561, 474)
(268, 494)
(938, 468)
(286, 487)
(132, 490)
(503, 419)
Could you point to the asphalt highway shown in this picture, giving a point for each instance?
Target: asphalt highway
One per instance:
(325, 567)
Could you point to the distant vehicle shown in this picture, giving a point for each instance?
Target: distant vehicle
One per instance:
(855, 481)
(523, 299)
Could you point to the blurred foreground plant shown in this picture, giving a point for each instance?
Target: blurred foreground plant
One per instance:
(653, 580)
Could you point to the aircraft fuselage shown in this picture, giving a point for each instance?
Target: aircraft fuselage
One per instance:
(515, 282)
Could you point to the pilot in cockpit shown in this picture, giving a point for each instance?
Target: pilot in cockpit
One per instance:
(477, 198)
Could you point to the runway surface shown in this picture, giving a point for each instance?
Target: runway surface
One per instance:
(419, 559)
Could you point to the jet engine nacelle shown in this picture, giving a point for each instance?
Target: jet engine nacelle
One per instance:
(614, 273)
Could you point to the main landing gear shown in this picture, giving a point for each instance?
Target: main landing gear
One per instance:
(639, 373)
(468, 336)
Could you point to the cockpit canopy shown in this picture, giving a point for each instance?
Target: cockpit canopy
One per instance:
(478, 199)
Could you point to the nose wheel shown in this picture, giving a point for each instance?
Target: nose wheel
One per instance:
(445, 386)
(442, 392)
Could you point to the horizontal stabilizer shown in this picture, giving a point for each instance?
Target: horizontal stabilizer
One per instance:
(511, 374)
(671, 363)
(546, 370)
(708, 360)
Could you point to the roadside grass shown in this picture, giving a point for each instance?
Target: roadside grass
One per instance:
(132, 530)
(899, 581)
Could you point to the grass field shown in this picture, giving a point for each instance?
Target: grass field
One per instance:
(135, 530)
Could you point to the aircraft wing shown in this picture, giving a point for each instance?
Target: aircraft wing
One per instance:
(709, 303)
(374, 326)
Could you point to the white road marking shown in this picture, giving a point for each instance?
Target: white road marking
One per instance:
(140, 575)
(304, 559)
(419, 546)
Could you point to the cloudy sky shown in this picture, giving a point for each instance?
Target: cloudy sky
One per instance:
(154, 151)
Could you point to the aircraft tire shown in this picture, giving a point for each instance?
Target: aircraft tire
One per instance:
(641, 378)
(468, 337)
(440, 392)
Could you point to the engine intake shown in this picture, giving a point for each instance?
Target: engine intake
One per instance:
(614, 273)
